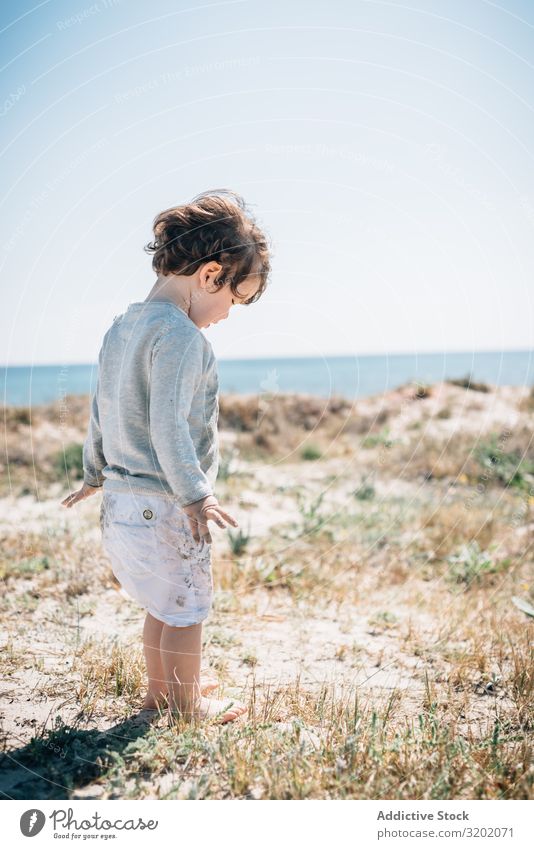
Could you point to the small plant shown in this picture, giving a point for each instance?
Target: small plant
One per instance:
(381, 438)
(310, 452)
(384, 619)
(238, 540)
(312, 520)
(365, 491)
(70, 460)
(31, 566)
(224, 640)
(471, 564)
(508, 469)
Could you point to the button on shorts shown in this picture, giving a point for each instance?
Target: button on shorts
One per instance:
(155, 558)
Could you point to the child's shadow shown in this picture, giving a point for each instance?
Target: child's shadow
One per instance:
(62, 761)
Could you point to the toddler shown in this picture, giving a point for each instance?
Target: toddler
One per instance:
(152, 443)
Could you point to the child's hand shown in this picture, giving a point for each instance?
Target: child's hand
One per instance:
(198, 514)
(82, 493)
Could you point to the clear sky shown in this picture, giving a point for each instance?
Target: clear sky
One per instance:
(386, 148)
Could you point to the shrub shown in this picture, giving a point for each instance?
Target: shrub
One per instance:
(422, 390)
(527, 404)
(467, 382)
(70, 460)
(310, 452)
(472, 564)
(238, 540)
(14, 416)
(310, 510)
(365, 491)
(508, 469)
(374, 439)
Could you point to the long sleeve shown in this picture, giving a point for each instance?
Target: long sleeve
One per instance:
(93, 456)
(177, 374)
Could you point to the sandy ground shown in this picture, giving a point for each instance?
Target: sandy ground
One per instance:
(270, 640)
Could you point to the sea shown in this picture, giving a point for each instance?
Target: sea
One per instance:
(352, 377)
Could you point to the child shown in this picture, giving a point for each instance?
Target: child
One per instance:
(152, 443)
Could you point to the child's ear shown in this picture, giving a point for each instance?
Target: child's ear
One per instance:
(209, 273)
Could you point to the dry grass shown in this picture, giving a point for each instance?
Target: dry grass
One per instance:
(365, 616)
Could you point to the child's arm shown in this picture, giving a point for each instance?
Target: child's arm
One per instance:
(177, 372)
(93, 456)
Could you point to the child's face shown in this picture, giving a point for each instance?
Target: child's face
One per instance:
(210, 307)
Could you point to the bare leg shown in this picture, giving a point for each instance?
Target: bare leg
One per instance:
(181, 650)
(157, 690)
(157, 687)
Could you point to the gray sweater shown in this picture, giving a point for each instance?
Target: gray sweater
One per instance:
(153, 423)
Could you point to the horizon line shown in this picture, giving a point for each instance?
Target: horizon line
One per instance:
(305, 357)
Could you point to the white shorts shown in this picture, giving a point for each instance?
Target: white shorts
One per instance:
(155, 558)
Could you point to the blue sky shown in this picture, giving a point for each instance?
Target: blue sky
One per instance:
(385, 147)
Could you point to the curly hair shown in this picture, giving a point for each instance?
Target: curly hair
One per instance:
(214, 225)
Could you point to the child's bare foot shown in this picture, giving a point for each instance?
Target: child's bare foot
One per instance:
(223, 710)
(150, 702)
